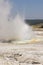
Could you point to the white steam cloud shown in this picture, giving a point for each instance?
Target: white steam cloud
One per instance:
(15, 28)
(4, 24)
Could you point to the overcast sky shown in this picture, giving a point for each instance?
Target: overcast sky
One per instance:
(32, 9)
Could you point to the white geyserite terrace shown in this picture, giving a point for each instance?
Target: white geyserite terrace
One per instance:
(12, 54)
(21, 53)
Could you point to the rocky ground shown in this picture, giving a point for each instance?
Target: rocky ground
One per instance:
(12, 54)
(24, 53)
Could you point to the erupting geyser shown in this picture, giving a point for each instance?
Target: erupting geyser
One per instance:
(12, 29)
(21, 30)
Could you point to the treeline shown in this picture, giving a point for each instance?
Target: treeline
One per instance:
(34, 22)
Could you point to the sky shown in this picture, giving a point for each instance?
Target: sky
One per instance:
(31, 9)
